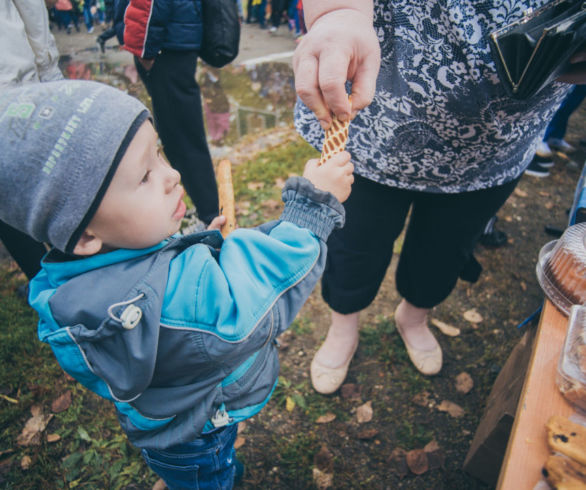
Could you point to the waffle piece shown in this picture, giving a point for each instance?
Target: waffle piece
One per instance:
(567, 438)
(564, 474)
(226, 196)
(335, 139)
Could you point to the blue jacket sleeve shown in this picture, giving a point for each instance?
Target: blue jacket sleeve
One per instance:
(263, 274)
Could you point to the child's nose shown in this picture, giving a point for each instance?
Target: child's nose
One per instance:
(172, 179)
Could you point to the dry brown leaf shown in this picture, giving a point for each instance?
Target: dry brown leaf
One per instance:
(464, 382)
(520, 193)
(325, 419)
(26, 462)
(431, 446)
(322, 479)
(239, 442)
(367, 433)
(452, 408)
(271, 204)
(445, 328)
(242, 426)
(159, 485)
(473, 316)
(364, 413)
(398, 462)
(53, 438)
(351, 391)
(417, 461)
(422, 399)
(279, 182)
(31, 434)
(254, 186)
(549, 205)
(61, 403)
(324, 459)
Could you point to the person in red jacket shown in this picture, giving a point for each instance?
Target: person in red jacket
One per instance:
(165, 38)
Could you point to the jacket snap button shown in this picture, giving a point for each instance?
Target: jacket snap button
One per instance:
(130, 317)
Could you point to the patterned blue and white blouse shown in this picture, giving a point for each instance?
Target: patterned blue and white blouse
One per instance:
(440, 120)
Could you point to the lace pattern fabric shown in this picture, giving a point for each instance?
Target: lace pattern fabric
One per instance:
(440, 120)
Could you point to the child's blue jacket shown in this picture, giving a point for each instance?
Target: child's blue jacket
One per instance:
(181, 336)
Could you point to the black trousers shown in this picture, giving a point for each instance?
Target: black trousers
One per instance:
(179, 121)
(437, 250)
(277, 9)
(25, 251)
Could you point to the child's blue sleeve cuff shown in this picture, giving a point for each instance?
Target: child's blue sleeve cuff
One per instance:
(308, 207)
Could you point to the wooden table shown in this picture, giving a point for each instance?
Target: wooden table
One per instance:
(527, 448)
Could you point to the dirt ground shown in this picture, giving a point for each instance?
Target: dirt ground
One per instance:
(288, 445)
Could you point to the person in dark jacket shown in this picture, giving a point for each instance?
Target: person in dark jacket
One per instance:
(165, 38)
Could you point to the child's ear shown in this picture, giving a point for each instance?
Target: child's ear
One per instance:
(88, 244)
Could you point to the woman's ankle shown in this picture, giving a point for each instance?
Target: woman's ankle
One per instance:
(340, 342)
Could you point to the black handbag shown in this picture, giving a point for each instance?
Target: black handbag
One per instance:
(221, 32)
(533, 51)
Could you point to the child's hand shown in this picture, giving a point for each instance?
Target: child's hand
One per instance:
(217, 222)
(334, 176)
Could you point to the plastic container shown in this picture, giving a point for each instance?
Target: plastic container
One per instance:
(561, 268)
(571, 373)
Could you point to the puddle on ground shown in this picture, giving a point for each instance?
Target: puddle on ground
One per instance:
(237, 99)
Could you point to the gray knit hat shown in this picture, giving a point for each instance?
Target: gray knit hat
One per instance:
(60, 144)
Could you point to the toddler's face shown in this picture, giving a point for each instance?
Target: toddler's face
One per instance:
(143, 204)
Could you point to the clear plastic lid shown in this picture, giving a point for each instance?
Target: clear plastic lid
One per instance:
(561, 268)
(571, 374)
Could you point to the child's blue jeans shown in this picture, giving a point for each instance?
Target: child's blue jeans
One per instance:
(206, 463)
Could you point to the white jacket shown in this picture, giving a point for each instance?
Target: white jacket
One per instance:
(28, 49)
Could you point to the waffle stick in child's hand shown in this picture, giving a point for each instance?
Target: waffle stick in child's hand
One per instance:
(335, 139)
(226, 196)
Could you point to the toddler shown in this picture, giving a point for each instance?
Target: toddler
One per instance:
(177, 331)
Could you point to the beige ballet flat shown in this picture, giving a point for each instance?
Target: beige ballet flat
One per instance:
(326, 380)
(428, 362)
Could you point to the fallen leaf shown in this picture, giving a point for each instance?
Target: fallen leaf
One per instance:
(325, 419)
(289, 404)
(364, 413)
(239, 442)
(254, 186)
(31, 434)
(473, 316)
(279, 182)
(324, 459)
(351, 391)
(549, 205)
(242, 426)
(445, 328)
(417, 461)
(159, 485)
(464, 383)
(62, 403)
(272, 204)
(367, 433)
(25, 462)
(53, 438)
(453, 409)
(421, 399)
(322, 480)
(520, 193)
(398, 462)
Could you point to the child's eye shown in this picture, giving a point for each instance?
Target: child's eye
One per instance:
(145, 179)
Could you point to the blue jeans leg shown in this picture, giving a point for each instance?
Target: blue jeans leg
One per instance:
(205, 464)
